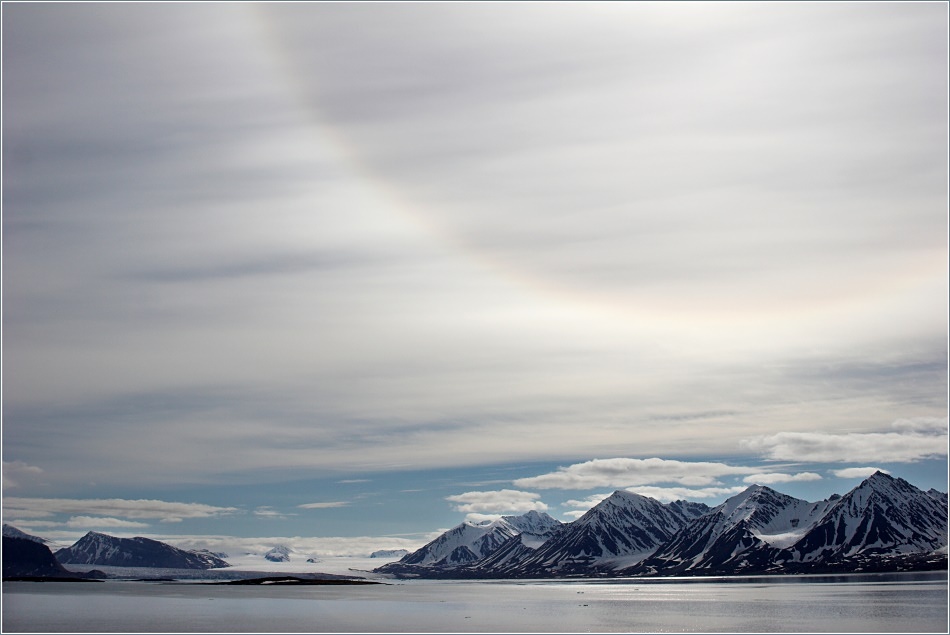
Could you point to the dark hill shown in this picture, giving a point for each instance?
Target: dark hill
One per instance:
(23, 557)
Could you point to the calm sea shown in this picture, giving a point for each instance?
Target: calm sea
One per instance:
(902, 603)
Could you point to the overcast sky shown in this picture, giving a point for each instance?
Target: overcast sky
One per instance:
(359, 270)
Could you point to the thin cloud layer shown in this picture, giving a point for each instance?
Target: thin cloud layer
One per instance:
(497, 502)
(16, 471)
(913, 440)
(771, 478)
(857, 472)
(163, 511)
(89, 522)
(624, 473)
(667, 494)
(324, 505)
(249, 244)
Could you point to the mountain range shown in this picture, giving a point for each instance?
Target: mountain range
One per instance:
(105, 550)
(883, 524)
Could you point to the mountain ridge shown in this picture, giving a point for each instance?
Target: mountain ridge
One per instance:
(102, 549)
(884, 523)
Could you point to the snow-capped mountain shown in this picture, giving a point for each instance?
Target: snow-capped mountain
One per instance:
(469, 542)
(101, 549)
(761, 530)
(619, 531)
(12, 532)
(744, 533)
(882, 515)
(462, 544)
(280, 553)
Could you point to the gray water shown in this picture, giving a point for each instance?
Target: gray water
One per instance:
(887, 603)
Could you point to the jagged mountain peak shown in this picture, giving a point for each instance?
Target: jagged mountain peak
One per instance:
(532, 522)
(881, 489)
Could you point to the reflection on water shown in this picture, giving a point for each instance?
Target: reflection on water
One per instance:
(887, 603)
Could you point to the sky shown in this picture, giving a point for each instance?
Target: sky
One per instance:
(348, 274)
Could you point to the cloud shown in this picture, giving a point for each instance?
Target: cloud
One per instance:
(624, 473)
(15, 471)
(43, 524)
(771, 478)
(89, 522)
(583, 504)
(857, 472)
(163, 511)
(269, 512)
(922, 425)
(914, 440)
(495, 257)
(499, 501)
(326, 505)
(355, 480)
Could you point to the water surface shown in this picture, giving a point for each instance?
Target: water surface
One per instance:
(887, 603)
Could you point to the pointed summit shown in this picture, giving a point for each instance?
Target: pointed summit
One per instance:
(881, 515)
(619, 531)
